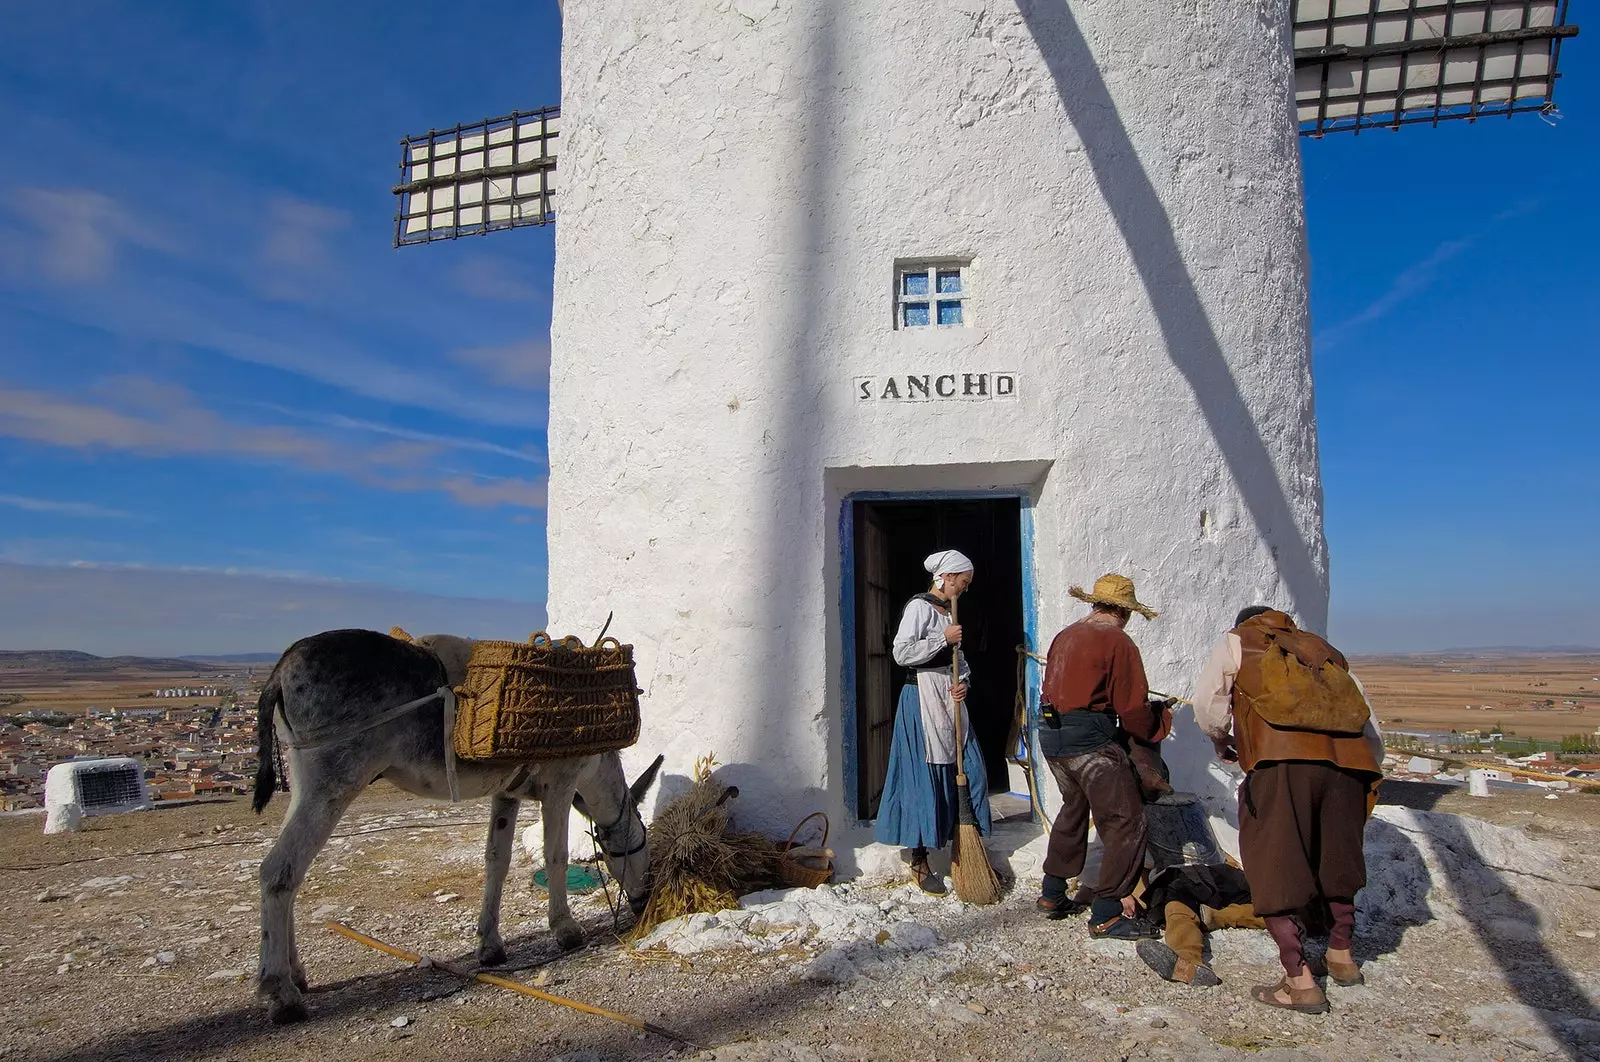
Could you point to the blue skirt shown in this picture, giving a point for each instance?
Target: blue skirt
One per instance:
(918, 807)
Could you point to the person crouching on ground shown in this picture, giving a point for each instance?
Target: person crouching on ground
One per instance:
(918, 807)
(1094, 679)
(1281, 702)
(1189, 901)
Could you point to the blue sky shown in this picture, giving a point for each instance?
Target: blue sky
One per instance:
(231, 413)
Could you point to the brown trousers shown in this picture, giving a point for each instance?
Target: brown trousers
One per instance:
(1300, 835)
(1101, 783)
(1186, 928)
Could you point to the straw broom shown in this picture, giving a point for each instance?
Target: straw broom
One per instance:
(970, 871)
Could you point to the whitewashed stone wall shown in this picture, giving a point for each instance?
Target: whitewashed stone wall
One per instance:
(739, 179)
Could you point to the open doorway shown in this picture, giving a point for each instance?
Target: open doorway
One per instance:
(891, 539)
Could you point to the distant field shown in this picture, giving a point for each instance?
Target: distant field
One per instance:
(76, 693)
(1437, 692)
(1424, 692)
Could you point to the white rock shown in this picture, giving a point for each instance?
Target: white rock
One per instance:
(400, 1023)
(446, 897)
(322, 913)
(108, 883)
(166, 958)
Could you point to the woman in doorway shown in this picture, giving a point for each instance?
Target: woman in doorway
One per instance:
(918, 807)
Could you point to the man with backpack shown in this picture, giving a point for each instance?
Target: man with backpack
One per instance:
(1281, 703)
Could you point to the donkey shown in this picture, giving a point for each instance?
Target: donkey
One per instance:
(335, 695)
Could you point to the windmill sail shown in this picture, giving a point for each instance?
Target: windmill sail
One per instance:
(472, 179)
(1362, 64)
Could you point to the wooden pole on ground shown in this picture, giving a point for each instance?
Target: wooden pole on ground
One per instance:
(503, 982)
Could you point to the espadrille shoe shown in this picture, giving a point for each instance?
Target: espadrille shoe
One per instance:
(1344, 974)
(1301, 1000)
(1171, 967)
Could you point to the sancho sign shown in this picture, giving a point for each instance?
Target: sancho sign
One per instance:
(937, 387)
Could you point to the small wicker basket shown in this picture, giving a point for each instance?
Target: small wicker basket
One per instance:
(546, 700)
(809, 866)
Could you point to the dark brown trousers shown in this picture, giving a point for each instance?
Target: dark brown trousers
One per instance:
(1300, 836)
(1099, 783)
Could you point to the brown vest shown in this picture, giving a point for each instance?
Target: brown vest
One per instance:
(1258, 741)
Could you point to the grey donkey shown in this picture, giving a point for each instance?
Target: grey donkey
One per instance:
(324, 695)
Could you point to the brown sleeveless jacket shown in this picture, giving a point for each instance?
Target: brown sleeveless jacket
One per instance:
(1258, 741)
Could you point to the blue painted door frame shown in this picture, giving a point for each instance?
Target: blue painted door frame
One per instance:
(847, 617)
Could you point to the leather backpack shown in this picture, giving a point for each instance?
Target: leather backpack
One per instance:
(1294, 699)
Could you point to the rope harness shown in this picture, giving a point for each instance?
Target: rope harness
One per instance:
(340, 731)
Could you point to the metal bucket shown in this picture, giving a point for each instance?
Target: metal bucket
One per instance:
(1180, 834)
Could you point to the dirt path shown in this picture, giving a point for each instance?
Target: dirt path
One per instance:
(148, 956)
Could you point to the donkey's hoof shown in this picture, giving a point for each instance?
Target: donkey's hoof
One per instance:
(491, 954)
(287, 1012)
(569, 935)
(284, 1004)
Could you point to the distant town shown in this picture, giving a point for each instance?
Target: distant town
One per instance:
(190, 750)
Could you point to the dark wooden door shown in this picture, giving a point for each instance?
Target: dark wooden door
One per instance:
(875, 626)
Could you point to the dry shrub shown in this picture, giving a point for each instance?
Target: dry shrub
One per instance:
(696, 865)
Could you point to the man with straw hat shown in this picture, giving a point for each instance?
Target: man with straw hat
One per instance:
(1094, 680)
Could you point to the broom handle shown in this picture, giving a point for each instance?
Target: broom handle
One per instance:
(955, 677)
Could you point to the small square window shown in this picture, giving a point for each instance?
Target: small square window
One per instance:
(931, 294)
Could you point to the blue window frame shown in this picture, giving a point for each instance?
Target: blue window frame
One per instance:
(931, 294)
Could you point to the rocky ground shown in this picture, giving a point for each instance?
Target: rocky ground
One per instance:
(1478, 942)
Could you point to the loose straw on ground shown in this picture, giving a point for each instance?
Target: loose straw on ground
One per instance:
(503, 982)
(970, 871)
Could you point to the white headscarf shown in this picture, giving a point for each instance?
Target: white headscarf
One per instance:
(946, 562)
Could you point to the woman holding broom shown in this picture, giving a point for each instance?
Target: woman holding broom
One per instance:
(918, 809)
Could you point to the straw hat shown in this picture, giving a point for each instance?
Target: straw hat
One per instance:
(1114, 590)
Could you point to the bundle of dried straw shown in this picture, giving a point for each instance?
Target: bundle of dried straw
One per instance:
(696, 865)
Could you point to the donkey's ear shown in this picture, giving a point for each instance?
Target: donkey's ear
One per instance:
(639, 788)
(582, 808)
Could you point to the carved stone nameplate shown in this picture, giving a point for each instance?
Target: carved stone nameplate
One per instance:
(937, 387)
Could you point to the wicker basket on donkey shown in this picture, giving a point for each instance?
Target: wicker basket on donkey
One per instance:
(546, 700)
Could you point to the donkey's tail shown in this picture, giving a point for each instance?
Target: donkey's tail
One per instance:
(267, 742)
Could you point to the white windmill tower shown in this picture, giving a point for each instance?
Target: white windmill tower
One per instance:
(843, 281)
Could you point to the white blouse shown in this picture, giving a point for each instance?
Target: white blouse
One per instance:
(920, 639)
(921, 636)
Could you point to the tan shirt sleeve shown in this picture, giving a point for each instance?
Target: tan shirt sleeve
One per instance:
(1371, 732)
(1213, 692)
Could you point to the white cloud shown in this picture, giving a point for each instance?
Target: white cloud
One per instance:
(76, 233)
(1413, 280)
(454, 442)
(523, 364)
(162, 420)
(62, 508)
(167, 612)
(297, 231)
(492, 277)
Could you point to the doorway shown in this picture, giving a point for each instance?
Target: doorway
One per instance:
(891, 538)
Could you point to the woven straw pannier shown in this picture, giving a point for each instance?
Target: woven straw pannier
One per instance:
(546, 700)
